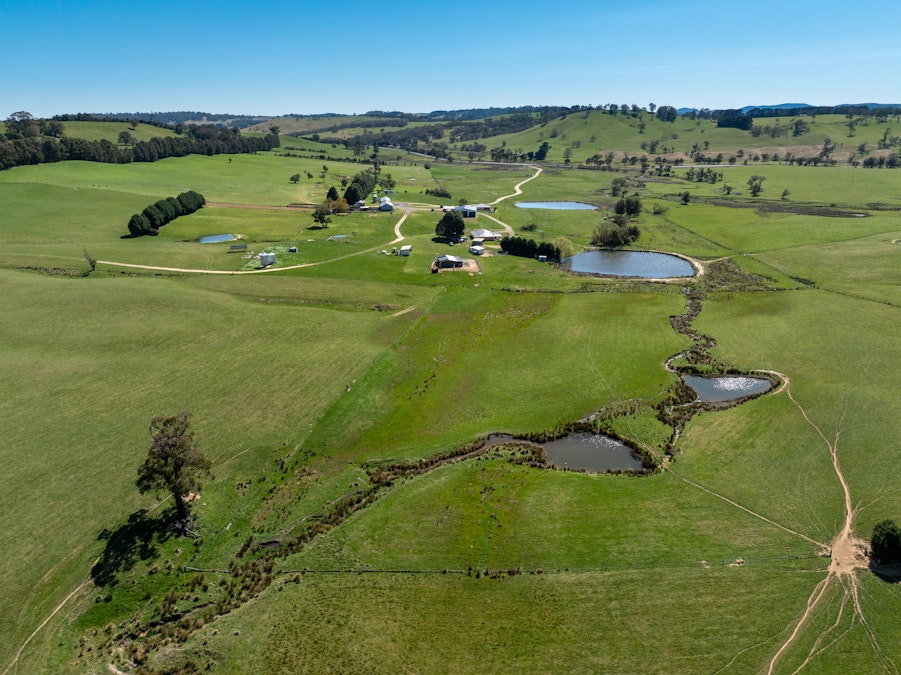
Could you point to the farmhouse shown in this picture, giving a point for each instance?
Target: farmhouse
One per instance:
(485, 235)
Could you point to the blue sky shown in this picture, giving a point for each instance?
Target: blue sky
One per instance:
(272, 58)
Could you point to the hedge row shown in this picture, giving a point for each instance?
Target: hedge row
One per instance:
(152, 218)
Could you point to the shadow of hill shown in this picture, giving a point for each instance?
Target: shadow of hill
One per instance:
(136, 539)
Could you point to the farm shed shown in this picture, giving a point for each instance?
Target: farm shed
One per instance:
(486, 235)
(405, 250)
(267, 259)
(449, 262)
(466, 211)
(385, 204)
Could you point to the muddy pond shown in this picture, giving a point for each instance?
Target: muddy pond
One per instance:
(643, 264)
(591, 452)
(726, 387)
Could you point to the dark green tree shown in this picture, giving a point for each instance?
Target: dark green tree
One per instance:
(755, 184)
(322, 216)
(628, 206)
(295, 178)
(174, 462)
(885, 545)
(667, 113)
(125, 138)
(332, 194)
(451, 225)
(138, 226)
(353, 194)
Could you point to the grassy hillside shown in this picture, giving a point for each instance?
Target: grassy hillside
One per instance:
(308, 381)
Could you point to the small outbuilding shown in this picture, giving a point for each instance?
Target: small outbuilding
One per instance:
(386, 205)
(267, 259)
(477, 250)
(405, 250)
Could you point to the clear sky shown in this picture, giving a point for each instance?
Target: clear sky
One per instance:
(308, 56)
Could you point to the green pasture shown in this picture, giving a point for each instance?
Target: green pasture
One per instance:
(98, 131)
(601, 621)
(843, 186)
(97, 358)
(586, 133)
(297, 378)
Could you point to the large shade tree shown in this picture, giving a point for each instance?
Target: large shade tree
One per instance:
(174, 462)
(451, 225)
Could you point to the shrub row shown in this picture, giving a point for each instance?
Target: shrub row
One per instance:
(153, 217)
(529, 248)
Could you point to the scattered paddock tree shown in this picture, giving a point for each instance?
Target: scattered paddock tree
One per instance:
(174, 462)
(755, 184)
(322, 216)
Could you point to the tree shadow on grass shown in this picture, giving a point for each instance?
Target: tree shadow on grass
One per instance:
(136, 539)
(890, 573)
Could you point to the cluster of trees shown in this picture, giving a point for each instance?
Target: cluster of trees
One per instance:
(778, 129)
(28, 150)
(890, 162)
(153, 217)
(45, 149)
(22, 125)
(614, 233)
(734, 119)
(361, 184)
(451, 225)
(628, 207)
(667, 113)
(529, 248)
(703, 175)
(203, 140)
